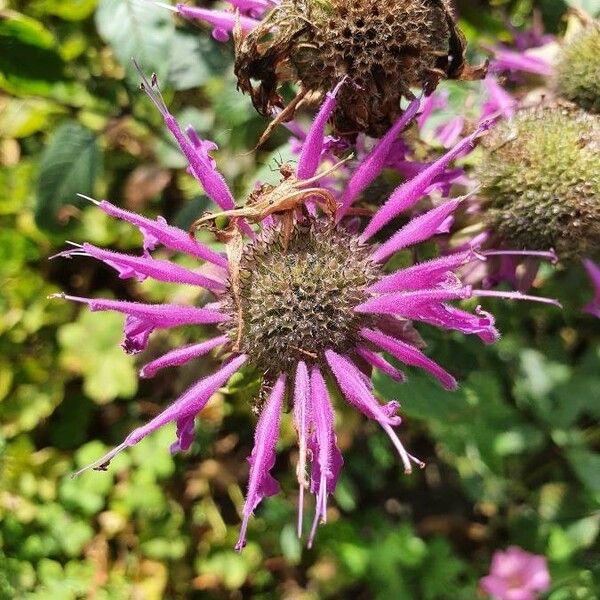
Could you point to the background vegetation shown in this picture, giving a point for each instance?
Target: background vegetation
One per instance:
(513, 456)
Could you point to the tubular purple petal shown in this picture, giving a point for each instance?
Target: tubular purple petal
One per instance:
(417, 230)
(312, 147)
(180, 356)
(355, 392)
(327, 459)
(159, 232)
(262, 459)
(409, 355)
(372, 165)
(380, 363)
(142, 319)
(185, 407)
(221, 19)
(520, 61)
(409, 304)
(438, 271)
(301, 420)
(185, 435)
(145, 266)
(410, 192)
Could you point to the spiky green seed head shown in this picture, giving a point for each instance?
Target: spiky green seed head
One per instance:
(385, 49)
(295, 303)
(540, 179)
(578, 71)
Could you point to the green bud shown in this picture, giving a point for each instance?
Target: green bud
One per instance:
(540, 180)
(578, 71)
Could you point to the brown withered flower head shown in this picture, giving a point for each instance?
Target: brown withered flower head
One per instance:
(383, 48)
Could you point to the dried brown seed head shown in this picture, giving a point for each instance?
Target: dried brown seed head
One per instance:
(385, 49)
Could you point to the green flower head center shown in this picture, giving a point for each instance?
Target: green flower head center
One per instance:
(541, 180)
(295, 303)
(578, 71)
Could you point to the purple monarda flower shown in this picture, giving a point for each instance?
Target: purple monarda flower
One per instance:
(304, 306)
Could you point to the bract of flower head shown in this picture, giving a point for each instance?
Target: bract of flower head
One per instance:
(305, 301)
(384, 49)
(516, 575)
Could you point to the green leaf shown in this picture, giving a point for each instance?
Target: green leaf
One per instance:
(69, 10)
(70, 165)
(586, 465)
(91, 349)
(194, 59)
(29, 59)
(137, 30)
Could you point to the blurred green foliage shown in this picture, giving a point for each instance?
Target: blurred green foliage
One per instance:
(513, 456)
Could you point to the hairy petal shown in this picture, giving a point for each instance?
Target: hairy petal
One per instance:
(412, 304)
(409, 355)
(221, 19)
(185, 407)
(372, 165)
(301, 421)
(417, 230)
(145, 266)
(407, 194)
(520, 61)
(380, 363)
(180, 356)
(159, 232)
(312, 147)
(355, 390)
(438, 271)
(185, 435)
(143, 319)
(262, 459)
(350, 383)
(327, 459)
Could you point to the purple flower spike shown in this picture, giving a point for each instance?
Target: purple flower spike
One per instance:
(373, 164)
(262, 459)
(327, 459)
